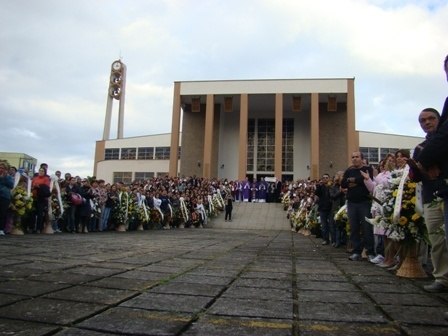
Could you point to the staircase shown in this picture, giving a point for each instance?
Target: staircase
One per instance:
(253, 216)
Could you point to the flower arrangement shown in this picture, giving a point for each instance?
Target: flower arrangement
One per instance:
(286, 200)
(120, 210)
(399, 219)
(96, 208)
(311, 218)
(56, 211)
(298, 219)
(20, 205)
(341, 219)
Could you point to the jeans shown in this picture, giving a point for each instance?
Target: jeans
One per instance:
(71, 218)
(361, 232)
(327, 226)
(105, 219)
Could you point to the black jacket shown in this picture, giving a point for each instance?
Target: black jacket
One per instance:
(356, 191)
(435, 151)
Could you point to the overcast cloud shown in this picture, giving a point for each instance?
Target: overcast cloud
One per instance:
(55, 61)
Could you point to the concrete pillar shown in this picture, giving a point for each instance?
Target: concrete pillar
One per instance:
(278, 134)
(175, 131)
(242, 153)
(314, 164)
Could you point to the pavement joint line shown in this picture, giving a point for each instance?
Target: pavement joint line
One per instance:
(295, 290)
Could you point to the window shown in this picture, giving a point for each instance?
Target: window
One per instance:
(128, 153)
(385, 151)
(112, 154)
(145, 153)
(125, 177)
(370, 153)
(143, 176)
(288, 145)
(162, 153)
(161, 174)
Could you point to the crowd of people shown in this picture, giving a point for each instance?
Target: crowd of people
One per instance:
(81, 205)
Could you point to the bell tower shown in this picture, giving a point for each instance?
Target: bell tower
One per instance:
(117, 85)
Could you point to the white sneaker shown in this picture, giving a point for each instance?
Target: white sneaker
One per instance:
(378, 259)
(2, 233)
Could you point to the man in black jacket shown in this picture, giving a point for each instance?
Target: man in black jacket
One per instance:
(433, 158)
(358, 207)
(433, 213)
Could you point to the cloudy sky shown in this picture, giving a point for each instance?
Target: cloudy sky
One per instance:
(56, 54)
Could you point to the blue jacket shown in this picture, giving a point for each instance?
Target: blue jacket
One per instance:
(6, 185)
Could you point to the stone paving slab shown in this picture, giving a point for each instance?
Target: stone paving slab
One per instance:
(176, 303)
(30, 288)
(106, 296)
(187, 288)
(406, 299)
(416, 330)
(80, 332)
(325, 286)
(417, 314)
(64, 277)
(143, 275)
(252, 308)
(333, 297)
(340, 312)
(257, 292)
(203, 279)
(131, 321)
(123, 283)
(24, 328)
(50, 310)
(323, 328)
(262, 283)
(224, 326)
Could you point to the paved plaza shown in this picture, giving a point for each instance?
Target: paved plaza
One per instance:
(229, 278)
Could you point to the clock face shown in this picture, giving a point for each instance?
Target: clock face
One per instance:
(116, 65)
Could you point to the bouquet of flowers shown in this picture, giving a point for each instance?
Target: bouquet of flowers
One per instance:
(399, 219)
(341, 218)
(286, 199)
(56, 211)
(20, 202)
(20, 205)
(312, 218)
(120, 210)
(96, 209)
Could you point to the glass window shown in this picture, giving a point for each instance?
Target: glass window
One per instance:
(125, 177)
(128, 153)
(146, 153)
(162, 153)
(370, 153)
(288, 145)
(112, 154)
(143, 176)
